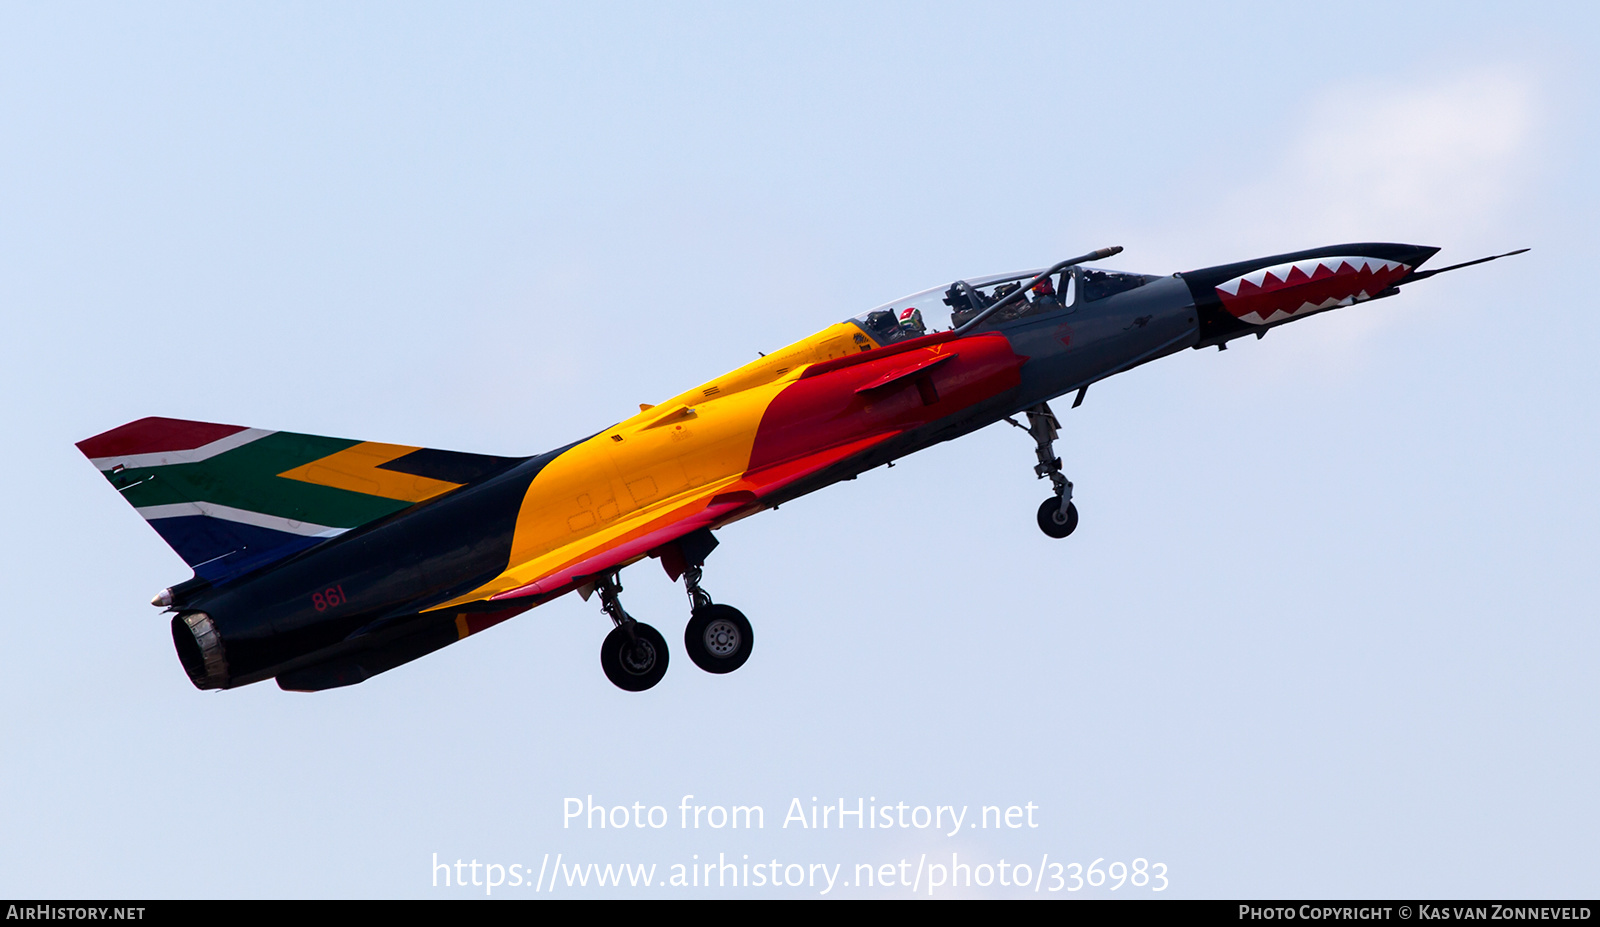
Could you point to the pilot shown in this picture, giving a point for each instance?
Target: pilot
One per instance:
(911, 322)
(1044, 296)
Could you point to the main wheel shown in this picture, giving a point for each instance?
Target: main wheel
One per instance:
(718, 638)
(1053, 522)
(630, 668)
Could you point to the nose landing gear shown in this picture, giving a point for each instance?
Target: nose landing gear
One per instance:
(1058, 517)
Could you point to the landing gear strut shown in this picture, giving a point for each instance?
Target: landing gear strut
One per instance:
(718, 637)
(1058, 517)
(634, 655)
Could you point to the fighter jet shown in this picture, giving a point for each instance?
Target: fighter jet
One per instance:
(322, 562)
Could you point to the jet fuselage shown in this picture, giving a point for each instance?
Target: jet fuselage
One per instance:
(471, 541)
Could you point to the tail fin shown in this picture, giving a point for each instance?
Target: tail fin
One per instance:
(230, 499)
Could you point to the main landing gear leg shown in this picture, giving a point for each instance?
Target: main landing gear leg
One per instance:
(634, 655)
(1058, 517)
(718, 638)
(698, 597)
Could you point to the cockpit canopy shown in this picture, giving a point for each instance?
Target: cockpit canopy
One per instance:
(948, 307)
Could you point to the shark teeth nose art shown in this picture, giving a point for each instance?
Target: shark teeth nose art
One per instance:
(1283, 291)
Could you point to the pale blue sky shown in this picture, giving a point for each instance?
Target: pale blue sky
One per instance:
(1327, 629)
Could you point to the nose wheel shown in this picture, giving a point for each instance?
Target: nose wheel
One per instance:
(1058, 517)
(1055, 521)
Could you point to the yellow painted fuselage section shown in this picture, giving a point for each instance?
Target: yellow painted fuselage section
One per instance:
(668, 457)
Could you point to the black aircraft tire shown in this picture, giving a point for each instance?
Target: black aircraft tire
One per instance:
(1050, 521)
(718, 638)
(634, 672)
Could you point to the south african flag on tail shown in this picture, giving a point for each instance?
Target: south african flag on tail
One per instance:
(231, 499)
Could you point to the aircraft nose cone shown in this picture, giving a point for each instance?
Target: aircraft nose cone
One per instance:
(1410, 255)
(1274, 289)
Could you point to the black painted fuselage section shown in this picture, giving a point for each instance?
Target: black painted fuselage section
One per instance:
(372, 582)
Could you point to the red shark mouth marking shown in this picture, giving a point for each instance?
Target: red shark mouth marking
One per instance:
(1287, 290)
